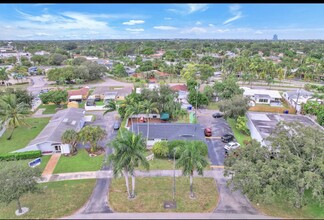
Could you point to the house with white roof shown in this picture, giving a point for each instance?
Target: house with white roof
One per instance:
(262, 96)
(49, 139)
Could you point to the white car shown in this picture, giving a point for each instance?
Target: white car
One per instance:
(231, 146)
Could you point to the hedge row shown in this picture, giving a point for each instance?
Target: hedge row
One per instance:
(20, 155)
(164, 149)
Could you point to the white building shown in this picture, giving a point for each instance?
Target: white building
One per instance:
(262, 96)
(49, 140)
(297, 98)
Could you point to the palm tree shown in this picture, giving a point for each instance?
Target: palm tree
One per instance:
(111, 106)
(70, 137)
(191, 159)
(13, 114)
(149, 107)
(128, 153)
(91, 135)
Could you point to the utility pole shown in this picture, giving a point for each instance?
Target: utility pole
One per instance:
(174, 186)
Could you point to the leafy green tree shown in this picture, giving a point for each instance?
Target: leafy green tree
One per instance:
(110, 106)
(128, 153)
(78, 61)
(17, 180)
(234, 107)
(119, 70)
(289, 167)
(22, 95)
(227, 88)
(209, 92)
(196, 98)
(186, 54)
(91, 135)
(71, 137)
(57, 97)
(12, 113)
(189, 72)
(57, 59)
(3, 74)
(206, 71)
(191, 159)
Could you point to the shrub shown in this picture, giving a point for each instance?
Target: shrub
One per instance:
(20, 155)
(160, 149)
(202, 147)
(176, 143)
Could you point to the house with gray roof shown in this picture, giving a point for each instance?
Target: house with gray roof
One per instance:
(49, 139)
(169, 132)
(297, 97)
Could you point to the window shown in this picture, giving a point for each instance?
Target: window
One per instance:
(263, 100)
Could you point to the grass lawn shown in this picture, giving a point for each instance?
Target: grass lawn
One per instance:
(81, 105)
(42, 166)
(78, 163)
(59, 199)
(100, 103)
(22, 135)
(280, 208)
(213, 106)
(152, 192)
(183, 119)
(237, 134)
(50, 109)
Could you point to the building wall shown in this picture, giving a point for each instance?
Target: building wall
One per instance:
(254, 132)
(258, 101)
(94, 108)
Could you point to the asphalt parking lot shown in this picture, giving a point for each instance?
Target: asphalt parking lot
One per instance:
(219, 126)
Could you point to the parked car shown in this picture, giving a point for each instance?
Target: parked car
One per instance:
(227, 138)
(116, 125)
(208, 132)
(231, 146)
(218, 115)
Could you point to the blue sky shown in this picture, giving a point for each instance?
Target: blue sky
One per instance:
(156, 21)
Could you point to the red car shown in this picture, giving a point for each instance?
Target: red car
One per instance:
(208, 132)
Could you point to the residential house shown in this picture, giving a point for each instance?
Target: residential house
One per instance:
(170, 131)
(297, 98)
(262, 96)
(110, 96)
(261, 124)
(84, 92)
(49, 139)
(182, 91)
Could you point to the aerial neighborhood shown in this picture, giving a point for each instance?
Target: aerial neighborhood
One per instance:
(129, 128)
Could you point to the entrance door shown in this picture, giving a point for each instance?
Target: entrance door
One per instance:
(58, 148)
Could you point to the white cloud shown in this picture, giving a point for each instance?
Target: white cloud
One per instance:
(134, 29)
(259, 32)
(211, 25)
(186, 9)
(197, 7)
(167, 18)
(133, 22)
(195, 30)
(234, 10)
(42, 34)
(198, 23)
(165, 28)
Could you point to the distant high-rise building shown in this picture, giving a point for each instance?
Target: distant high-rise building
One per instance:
(275, 37)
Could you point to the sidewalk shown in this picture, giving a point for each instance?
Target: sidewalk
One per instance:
(49, 177)
(51, 164)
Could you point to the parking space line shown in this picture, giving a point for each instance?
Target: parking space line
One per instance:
(213, 137)
(216, 166)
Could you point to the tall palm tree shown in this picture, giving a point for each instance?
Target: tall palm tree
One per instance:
(149, 107)
(128, 153)
(191, 159)
(70, 137)
(12, 113)
(111, 106)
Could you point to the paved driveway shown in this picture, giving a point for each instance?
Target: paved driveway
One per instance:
(98, 202)
(219, 127)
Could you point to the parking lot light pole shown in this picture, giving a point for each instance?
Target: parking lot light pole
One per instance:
(174, 186)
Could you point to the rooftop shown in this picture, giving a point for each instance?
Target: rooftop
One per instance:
(71, 118)
(251, 92)
(265, 123)
(172, 131)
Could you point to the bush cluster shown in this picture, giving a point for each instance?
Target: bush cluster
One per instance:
(21, 155)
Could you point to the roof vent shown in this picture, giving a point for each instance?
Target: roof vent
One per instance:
(73, 122)
(65, 119)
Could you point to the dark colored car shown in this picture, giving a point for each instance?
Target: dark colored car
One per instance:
(227, 138)
(208, 132)
(116, 125)
(218, 115)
